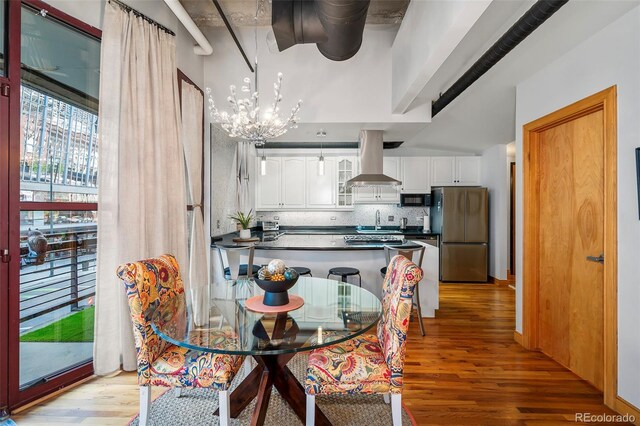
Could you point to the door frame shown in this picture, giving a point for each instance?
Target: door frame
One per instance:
(605, 101)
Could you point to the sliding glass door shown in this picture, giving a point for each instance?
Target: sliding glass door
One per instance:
(4, 206)
(52, 201)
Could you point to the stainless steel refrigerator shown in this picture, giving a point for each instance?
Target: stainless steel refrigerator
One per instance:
(461, 216)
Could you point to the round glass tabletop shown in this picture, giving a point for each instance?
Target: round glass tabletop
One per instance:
(219, 321)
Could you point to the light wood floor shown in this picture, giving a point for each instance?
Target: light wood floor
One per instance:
(466, 371)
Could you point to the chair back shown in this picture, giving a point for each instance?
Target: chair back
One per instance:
(397, 293)
(406, 252)
(149, 283)
(233, 257)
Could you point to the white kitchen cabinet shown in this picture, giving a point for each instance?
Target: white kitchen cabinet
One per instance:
(455, 171)
(415, 175)
(293, 182)
(346, 169)
(321, 190)
(269, 186)
(391, 168)
(468, 171)
(382, 194)
(284, 184)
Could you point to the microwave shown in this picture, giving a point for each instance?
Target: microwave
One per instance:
(415, 200)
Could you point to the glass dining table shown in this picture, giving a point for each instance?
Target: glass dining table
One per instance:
(219, 321)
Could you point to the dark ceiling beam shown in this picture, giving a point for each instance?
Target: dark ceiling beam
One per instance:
(528, 23)
(216, 3)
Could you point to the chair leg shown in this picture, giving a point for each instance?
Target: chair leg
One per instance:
(396, 409)
(311, 410)
(177, 392)
(145, 405)
(225, 407)
(387, 398)
(419, 309)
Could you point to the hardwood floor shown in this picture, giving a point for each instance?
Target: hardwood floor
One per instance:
(466, 371)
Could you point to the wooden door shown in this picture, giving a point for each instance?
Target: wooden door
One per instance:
(415, 175)
(571, 215)
(391, 168)
(321, 189)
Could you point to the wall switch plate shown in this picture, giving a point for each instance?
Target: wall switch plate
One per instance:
(419, 218)
(276, 218)
(390, 218)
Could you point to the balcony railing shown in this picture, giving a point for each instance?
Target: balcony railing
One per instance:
(62, 277)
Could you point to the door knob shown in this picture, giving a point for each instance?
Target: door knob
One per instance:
(599, 259)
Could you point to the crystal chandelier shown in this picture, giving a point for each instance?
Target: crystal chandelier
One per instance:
(246, 120)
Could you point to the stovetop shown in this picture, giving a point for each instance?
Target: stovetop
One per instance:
(374, 239)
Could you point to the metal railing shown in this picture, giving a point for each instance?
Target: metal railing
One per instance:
(63, 276)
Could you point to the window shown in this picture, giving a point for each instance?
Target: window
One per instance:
(58, 173)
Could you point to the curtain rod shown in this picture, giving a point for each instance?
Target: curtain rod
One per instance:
(143, 16)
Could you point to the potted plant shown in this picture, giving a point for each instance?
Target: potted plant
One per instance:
(243, 221)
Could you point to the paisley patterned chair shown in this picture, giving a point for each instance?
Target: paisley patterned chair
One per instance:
(148, 284)
(370, 363)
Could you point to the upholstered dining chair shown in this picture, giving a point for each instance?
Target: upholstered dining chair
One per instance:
(409, 254)
(148, 284)
(370, 363)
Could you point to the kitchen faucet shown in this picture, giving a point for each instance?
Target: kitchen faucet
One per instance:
(377, 219)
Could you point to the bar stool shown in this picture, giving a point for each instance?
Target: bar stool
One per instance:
(408, 253)
(344, 272)
(301, 270)
(233, 269)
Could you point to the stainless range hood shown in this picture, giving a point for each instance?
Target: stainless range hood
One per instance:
(371, 162)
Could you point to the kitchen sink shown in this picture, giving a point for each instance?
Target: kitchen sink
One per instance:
(378, 231)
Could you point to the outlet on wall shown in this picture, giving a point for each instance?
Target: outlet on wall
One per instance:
(390, 218)
(419, 218)
(333, 218)
(276, 218)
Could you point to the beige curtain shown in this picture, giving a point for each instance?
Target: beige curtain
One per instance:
(243, 203)
(142, 184)
(192, 138)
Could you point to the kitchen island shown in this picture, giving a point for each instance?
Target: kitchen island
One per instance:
(323, 248)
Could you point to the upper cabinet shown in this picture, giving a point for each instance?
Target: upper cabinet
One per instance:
(295, 183)
(346, 171)
(283, 184)
(321, 189)
(382, 194)
(415, 175)
(455, 171)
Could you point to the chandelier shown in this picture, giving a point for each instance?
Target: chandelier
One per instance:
(246, 119)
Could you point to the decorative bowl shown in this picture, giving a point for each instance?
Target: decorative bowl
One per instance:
(275, 291)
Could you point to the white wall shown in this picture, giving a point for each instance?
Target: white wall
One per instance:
(610, 57)
(353, 91)
(495, 176)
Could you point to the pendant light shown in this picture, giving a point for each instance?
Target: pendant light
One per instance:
(321, 134)
(263, 164)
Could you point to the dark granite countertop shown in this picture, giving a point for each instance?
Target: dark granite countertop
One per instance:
(316, 238)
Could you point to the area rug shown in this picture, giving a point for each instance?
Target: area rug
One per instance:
(196, 407)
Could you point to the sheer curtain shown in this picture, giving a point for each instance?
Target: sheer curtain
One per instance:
(142, 184)
(192, 138)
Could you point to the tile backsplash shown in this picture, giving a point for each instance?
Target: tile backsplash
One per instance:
(362, 214)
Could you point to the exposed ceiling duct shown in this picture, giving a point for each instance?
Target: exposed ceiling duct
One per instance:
(371, 146)
(335, 26)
